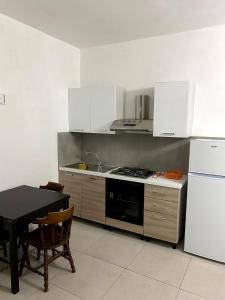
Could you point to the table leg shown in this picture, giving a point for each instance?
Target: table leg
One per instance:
(13, 260)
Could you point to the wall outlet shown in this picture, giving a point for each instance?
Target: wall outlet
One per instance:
(2, 99)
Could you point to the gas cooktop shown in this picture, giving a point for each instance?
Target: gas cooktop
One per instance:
(133, 172)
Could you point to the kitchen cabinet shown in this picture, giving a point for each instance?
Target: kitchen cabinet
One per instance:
(87, 193)
(73, 186)
(173, 109)
(79, 110)
(93, 199)
(164, 207)
(164, 212)
(93, 109)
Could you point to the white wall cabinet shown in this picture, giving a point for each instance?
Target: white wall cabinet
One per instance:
(173, 109)
(79, 110)
(93, 109)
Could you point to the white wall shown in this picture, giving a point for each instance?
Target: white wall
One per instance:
(35, 73)
(195, 55)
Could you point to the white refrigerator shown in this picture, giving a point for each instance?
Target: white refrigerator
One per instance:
(205, 215)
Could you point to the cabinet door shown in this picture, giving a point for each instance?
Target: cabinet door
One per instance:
(79, 110)
(172, 109)
(103, 109)
(72, 186)
(93, 199)
(161, 213)
(160, 226)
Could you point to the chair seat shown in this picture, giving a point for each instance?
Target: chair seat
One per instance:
(34, 237)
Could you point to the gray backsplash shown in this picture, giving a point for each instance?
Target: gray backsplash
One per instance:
(135, 150)
(138, 150)
(69, 148)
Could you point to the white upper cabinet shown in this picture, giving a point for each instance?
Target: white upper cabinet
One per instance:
(107, 105)
(173, 109)
(79, 110)
(93, 109)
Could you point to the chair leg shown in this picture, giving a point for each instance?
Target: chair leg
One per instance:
(45, 270)
(24, 258)
(53, 252)
(68, 253)
(5, 250)
(38, 254)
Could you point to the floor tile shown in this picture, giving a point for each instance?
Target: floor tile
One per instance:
(84, 234)
(53, 268)
(132, 286)
(5, 294)
(116, 249)
(182, 295)
(205, 278)
(54, 293)
(160, 263)
(29, 284)
(91, 280)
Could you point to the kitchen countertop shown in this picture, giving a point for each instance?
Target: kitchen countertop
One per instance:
(161, 180)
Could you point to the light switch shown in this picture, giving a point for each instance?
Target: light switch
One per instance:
(2, 99)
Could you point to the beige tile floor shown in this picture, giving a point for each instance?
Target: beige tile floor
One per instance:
(116, 265)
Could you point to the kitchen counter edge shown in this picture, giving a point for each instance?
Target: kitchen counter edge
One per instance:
(161, 181)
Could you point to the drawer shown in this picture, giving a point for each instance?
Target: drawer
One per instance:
(162, 193)
(160, 226)
(161, 206)
(70, 176)
(94, 179)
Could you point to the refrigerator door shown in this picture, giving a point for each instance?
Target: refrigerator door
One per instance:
(207, 157)
(205, 217)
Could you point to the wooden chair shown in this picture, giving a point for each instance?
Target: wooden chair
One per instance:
(53, 186)
(53, 232)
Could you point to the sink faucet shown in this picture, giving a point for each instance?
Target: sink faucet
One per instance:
(99, 164)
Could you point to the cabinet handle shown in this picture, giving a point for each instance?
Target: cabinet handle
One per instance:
(168, 133)
(158, 218)
(79, 130)
(158, 193)
(92, 178)
(67, 174)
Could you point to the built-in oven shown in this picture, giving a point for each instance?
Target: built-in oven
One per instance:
(125, 201)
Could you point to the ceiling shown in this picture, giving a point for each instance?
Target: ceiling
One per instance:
(85, 23)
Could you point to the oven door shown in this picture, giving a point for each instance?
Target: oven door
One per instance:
(125, 201)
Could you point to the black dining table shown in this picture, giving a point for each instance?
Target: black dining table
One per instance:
(20, 206)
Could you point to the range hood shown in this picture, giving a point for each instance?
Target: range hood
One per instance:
(141, 123)
(132, 126)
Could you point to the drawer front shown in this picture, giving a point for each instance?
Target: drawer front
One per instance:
(162, 193)
(93, 199)
(93, 180)
(161, 206)
(72, 186)
(160, 226)
(70, 176)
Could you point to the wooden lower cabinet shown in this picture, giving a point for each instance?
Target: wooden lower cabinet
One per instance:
(93, 199)
(160, 226)
(87, 193)
(164, 212)
(164, 208)
(72, 186)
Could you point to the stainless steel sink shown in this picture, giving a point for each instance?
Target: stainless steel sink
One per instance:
(92, 167)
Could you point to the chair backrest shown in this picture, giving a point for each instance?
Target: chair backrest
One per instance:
(53, 186)
(55, 228)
